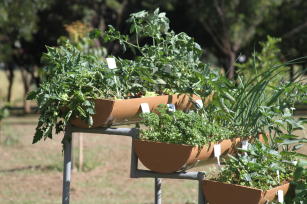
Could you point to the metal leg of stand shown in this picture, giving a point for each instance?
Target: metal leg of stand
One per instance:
(201, 197)
(67, 166)
(158, 191)
(134, 162)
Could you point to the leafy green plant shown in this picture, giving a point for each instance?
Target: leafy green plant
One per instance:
(72, 78)
(258, 168)
(300, 185)
(181, 128)
(169, 64)
(4, 112)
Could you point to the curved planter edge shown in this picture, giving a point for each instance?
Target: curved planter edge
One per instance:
(110, 112)
(238, 194)
(168, 158)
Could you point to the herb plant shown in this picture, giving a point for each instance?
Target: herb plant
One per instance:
(300, 185)
(73, 76)
(171, 63)
(254, 105)
(181, 128)
(258, 168)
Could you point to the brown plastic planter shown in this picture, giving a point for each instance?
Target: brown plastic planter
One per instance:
(221, 193)
(115, 111)
(167, 158)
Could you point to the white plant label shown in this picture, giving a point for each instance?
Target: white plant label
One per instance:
(245, 144)
(278, 177)
(171, 107)
(145, 108)
(111, 63)
(280, 195)
(199, 103)
(217, 152)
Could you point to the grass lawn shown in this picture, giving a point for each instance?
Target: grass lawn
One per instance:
(31, 174)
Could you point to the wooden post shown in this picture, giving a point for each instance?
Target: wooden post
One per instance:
(81, 151)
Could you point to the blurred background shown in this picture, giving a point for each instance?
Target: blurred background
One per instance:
(231, 32)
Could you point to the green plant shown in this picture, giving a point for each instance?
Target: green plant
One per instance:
(257, 168)
(4, 112)
(300, 185)
(263, 61)
(253, 105)
(181, 128)
(72, 78)
(170, 64)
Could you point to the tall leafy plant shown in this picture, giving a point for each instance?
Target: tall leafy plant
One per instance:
(168, 63)
(171, 62)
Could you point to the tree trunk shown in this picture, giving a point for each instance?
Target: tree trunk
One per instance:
(26, 85)
(229, 64)
(291, 72)
(10, 77)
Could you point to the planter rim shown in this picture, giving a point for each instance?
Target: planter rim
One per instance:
(253, 188)
(122, 99)
(158, 142)
(208, 143)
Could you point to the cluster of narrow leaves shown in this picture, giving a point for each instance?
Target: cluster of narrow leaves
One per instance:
(181, 128)
(258, 168)
(254, 105)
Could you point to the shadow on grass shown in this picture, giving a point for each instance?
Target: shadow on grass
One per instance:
(89, 165)
(33, 168)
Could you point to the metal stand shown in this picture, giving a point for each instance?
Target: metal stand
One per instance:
(67, 165)
(134, 171)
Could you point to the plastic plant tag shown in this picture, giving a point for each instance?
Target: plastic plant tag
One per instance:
(111, 63)
(217, 152)
(278, 177)
(145, 108)
(280, 195)
(245, 144)
(199, 103)
(171, 107)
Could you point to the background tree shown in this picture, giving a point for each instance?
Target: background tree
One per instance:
(18, 23)
(231, 25)
(289, 24)
(224, 28)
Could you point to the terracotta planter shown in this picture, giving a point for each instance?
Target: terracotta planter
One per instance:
(221, 193)
(115, 111)
(167, 158)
